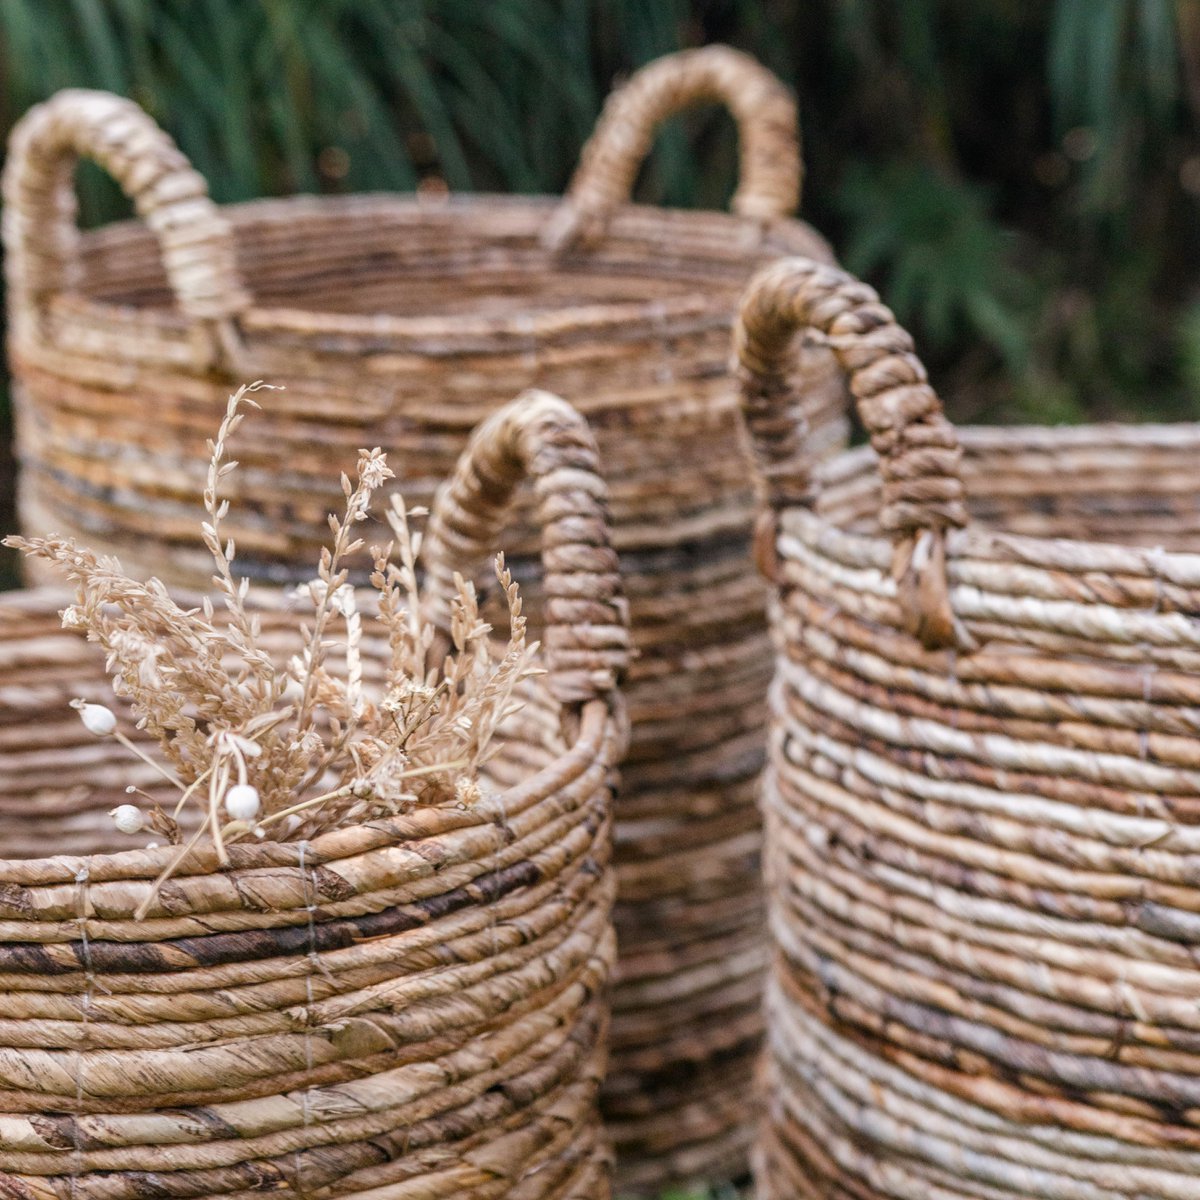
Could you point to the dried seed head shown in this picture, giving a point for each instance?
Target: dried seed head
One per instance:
(373, 470)
(95, 717)
(241, 802)
(128, 818)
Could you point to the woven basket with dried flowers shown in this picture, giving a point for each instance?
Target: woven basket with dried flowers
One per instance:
(366, 956)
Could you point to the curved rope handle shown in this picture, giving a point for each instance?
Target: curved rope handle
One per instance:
(540, 437)
(768, 134)
(919, 454)
(41, 240)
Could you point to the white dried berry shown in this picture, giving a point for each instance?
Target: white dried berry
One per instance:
(241, 802)
(97, 719)
(128, 818)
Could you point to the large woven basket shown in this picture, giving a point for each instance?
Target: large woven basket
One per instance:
(983, 803)
(402, 322)
(410, 1008)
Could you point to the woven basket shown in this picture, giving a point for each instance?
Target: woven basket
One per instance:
(408, 1008)
(983, 803)
(402, 322)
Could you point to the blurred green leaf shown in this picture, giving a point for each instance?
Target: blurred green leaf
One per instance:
(945, 267)
(1189, 352)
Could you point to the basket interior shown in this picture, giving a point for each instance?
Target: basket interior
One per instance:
(479, 256)
(1125, 485)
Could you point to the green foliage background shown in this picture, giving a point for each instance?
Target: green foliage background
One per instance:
(1020, 179)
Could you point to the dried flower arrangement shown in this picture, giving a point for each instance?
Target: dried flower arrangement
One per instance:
(258, 748)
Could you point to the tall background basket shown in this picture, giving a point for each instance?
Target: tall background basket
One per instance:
(983, 803)
(412, 1007)
(402, 322)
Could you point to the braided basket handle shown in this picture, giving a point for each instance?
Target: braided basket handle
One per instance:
(540, 437)
(768, 133)
(41, 240)
(919, 454)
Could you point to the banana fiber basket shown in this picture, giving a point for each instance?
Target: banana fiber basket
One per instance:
(402, 322)
(411, 1007)
(983, 802)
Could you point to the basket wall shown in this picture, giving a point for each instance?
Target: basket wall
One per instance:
(982, 857)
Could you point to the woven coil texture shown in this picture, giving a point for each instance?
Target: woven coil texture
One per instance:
(403, 322)
(409, 1008)
(983, 803)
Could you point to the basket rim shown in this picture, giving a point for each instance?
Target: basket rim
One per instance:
(585, 749)
(766, 241)
(994, 542)
(141, 864)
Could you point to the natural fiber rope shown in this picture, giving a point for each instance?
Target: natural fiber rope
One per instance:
(541, 438)
(918, 450)
(982, 863)
(40, 237)
(768, 127)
